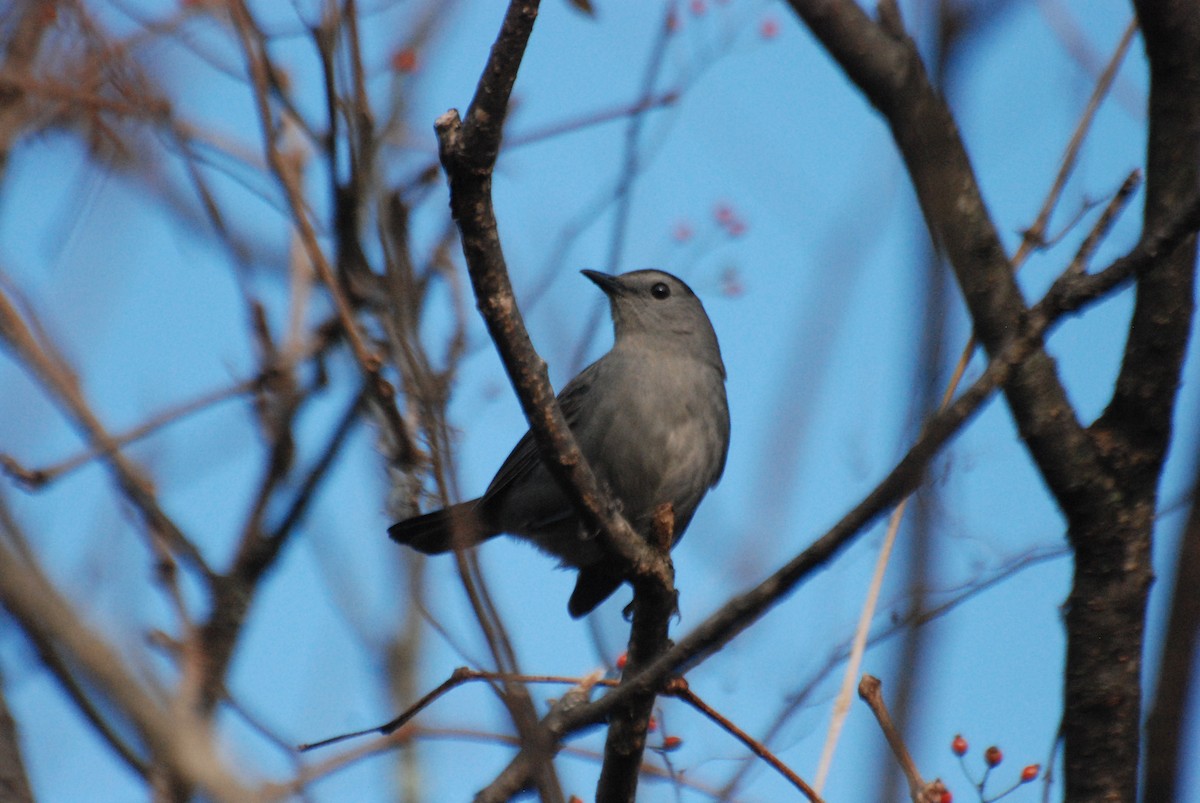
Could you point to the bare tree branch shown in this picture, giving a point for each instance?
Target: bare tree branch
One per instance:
(1167, 723)
(34, 21)
(177, 738)
(468, 152)
(44, 362)
(285, 173)
(14, 782)
(884, 62)
(1106, 610)
(870, 689)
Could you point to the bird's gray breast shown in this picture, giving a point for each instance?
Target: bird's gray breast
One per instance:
(657, 432)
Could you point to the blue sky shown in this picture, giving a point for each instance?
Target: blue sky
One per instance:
(815, 304)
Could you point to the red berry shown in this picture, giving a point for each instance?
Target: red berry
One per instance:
(946, 797)
(724, 213)
(992, 756)
(672, 22)
(672, 743)
(698, 7)
(682, 232)
(1030, 773)
(652, 725)
(731, 283)
(405, 60)
(769, 28)
(621, 659)
(959, 745)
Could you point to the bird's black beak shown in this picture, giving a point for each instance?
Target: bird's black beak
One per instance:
(611, 285)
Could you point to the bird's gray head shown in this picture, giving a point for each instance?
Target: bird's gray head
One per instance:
(659, 310)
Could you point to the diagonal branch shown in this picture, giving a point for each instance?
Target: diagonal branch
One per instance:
(42, 359)
(468, 150)
(884, 62)
(14, 780)
(1070, 294)
(171, 732)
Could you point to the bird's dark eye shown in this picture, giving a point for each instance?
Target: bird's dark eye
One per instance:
(660, 291)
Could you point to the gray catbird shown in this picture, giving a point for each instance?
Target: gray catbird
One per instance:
(650, 416)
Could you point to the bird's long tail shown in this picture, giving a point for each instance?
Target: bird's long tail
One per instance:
(440, 531)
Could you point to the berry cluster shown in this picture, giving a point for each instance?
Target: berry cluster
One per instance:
(992, 758)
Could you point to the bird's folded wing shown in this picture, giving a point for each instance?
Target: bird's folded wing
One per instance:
(523, 459)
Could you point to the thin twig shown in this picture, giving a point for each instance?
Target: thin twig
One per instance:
(39, 477)
(841, 704)
(41, 357)
(413, 731)
(457, 678)
(899, 623)
(1034, 236)
(870, 690)
(679, 689)
(368, 361)
(173, 734)
(1104, 223)
(644, 104)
